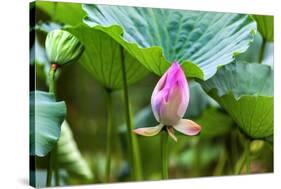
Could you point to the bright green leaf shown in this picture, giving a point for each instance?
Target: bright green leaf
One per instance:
(102, 58)
(265, 26)
(245, 91)
(69, 156)
(66, 13)
(46, 117)
(202, 41)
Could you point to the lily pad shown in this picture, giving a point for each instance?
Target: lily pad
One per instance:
(245, 91)
(201, 41)
(265, 26)
(46, 117)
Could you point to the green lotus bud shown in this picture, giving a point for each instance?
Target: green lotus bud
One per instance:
(62, 47)
(256, 145)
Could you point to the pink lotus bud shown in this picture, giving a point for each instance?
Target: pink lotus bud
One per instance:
(169, 103)
(170, 97)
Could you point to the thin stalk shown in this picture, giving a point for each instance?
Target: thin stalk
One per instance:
(221, 164)
(52, 77)
(109, 135)
(56, 168)
(132, 142)
(52, 155)
(164, 154)
(248, 156)
(261, 54)
(49, 171)
(244, 161)
(240, 163)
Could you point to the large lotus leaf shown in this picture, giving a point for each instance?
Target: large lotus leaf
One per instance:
(103, 56)
(201, 41)
(253, 52)
(265, 26)
(245, 91)
(69, 156)
(46, 117)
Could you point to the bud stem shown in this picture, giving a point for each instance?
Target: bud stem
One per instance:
(52, 164)
(52, 74)
(164, 153)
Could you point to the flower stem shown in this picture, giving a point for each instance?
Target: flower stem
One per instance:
(52, 74)
(52, 164)
(132, 141)
(109, 135)
(164, 154)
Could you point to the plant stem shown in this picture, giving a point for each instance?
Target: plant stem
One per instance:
(52, 77)
(132, 142)
(220, 165)
(109, 135)
(52, 74)
(248, 156)
(49, 170)
(56, 168)
(261, 54)
(164, 154)
(245, 159)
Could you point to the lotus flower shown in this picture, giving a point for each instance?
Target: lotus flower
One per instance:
(169, 102)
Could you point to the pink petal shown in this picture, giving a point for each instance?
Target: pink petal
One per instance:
(149, 131)
(188, 127)
(184, 89)
(171, 133)
(169, 109)
(156, 99)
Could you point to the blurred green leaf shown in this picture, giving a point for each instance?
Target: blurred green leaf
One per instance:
(155, 37)
(46, 117)
(199, 100)
(245, 91)
(265, 26)
(214, 123)
(69, 156)
(103, 56)
(66, 13)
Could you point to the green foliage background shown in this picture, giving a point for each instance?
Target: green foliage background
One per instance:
(218, 150)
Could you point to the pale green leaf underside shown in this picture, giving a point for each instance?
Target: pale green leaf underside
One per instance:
(202, 41)
(102, 58)
(69, 156)
(265, 26)
(46, 117)
(245, 91)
